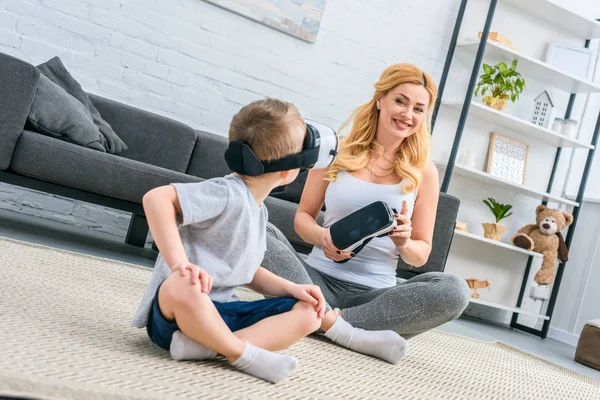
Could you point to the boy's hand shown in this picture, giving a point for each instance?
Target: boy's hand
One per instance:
(403, 231)
(197, 274)
(311, 294)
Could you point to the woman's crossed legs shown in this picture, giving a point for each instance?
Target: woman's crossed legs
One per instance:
(410, 308)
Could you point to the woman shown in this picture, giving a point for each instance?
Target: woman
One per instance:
(386, 157)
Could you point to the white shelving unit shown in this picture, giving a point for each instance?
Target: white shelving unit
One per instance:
(507, 308)
(529, 66)
(496, 243)
(518, 125)
(560, 17)
(484, 177)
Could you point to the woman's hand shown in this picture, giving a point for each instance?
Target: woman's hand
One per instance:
(332, 252)
(311, 294)
(403, 231)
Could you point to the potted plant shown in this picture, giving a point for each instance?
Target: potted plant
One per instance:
(500, 211)
(502, 83)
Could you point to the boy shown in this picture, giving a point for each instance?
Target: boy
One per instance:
(189, 307)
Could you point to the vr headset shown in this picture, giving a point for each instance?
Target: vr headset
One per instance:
(318, 151)
(356, 230)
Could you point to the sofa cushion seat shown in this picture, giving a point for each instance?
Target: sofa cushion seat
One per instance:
(48, 159)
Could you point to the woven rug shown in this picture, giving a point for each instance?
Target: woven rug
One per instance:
(65, 334)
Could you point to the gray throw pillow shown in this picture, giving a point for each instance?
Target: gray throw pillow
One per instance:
(54, 70)
(56, 113)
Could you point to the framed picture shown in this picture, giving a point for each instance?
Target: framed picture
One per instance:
(507, 158)
(298, 18)
(576, 61)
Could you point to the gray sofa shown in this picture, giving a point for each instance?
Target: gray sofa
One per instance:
(160, 151)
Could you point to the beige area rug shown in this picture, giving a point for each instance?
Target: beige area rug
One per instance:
(64, 334)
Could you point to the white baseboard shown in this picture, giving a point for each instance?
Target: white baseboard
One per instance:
(563, 336)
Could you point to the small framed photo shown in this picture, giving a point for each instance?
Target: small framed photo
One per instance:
(575, 61)
(507, 158)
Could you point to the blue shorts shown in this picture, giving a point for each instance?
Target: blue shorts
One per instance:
(236, 314)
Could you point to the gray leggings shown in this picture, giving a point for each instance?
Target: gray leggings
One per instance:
(409, 308)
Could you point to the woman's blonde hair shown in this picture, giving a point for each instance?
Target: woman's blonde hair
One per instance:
(412, 155)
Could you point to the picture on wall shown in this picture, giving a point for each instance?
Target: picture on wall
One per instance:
(299, 18)
(507, 158)
(576, 61)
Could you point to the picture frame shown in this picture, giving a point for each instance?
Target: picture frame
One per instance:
(575, 61)
(300, 19)
(507, 158)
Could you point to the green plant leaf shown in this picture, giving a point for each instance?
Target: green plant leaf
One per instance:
(487, 203)
(488, 69)
(514, 64)
(500, 211)
(502, 66)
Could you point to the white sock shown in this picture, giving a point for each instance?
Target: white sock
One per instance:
(184, 348)
(264, 364)
(386, 345)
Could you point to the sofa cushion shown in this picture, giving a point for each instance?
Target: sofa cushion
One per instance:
(57, 73)
(151, 138)
(66, 164)
(208, 157)
(56, 113)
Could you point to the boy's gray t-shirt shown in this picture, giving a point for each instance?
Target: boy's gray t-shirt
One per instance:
(223, 231)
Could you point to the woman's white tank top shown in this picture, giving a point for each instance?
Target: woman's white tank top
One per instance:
(375, 265)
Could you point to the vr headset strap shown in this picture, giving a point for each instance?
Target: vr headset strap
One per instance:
(241, 159)
(304, 159)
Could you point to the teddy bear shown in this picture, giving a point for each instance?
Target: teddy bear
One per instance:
(545, 237)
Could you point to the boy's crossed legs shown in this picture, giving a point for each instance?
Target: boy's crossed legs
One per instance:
(248, 349)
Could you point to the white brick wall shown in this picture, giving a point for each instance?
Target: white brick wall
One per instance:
(195, 55)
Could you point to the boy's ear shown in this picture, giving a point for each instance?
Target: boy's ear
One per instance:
(285, 175)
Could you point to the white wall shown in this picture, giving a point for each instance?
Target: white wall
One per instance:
(197, 63)
(579, 298)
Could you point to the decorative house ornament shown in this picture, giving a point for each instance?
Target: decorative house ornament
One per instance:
(542, 110)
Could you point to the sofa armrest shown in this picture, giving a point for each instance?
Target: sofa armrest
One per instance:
(18, 83)
(281, 214)
(443, 233)
(150, 138)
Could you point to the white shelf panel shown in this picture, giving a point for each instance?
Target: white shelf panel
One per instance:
(507, 308)
(497, 243)
(481, 111)
(560, 17)
(531, 67)
(487, 178)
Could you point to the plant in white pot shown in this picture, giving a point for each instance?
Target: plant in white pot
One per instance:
(501, 83)
(500, 211)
